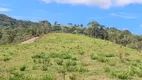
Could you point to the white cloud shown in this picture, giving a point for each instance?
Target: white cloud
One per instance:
(126, 2)
(98, 3)
(4, 9)
(123, 15)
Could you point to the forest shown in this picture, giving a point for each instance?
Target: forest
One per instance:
(15, 31)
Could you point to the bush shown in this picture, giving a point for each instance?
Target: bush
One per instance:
(65, 56)
(109, 55)
(74, 58)
(44, 67)
(54, 55)
(34, 60)
(102, 59)
(81, 52)
(72, 69)
(136, 71)
(99, 58)
(61, 69)
(70, 63)
(59, 61)
(17, 76)
(107, 69)
(23, 68)
(82, 69)
(94, 56)
(121, 74)
(6, 58)
(42, 56)
(48, 77)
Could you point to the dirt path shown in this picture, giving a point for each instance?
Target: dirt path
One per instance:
(30, 40)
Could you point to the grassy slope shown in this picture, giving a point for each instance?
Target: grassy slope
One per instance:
(92, 58)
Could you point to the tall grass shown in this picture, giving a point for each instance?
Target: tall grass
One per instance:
(68, 56)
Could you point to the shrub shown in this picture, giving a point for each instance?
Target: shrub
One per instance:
(82, 69)
(54, 55)
(59, 61)
(40, 61)
(34, 60)
(74, 58)
(48, 77)
(107, 69)
(135, 71)
(38, 56)
(65, 56)
(81, 52)
(61, 69)
(70, 63)
(23, 68)
(121, 74)
(94, 56)
(6, 58)
(42, 56)
(46, 61)
(17, 76)
(139, 73)
(44, 67)
(72, 69)
(102, 59)
(109, 55)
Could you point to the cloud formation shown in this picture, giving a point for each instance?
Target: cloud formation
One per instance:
(123, 15)
(126, 2)
(4, 9)
(98, 3)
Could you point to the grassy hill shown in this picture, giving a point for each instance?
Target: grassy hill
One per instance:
(74, 57)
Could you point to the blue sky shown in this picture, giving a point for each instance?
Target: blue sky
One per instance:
(122, 14)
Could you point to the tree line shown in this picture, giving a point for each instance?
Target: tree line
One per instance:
(15, 31)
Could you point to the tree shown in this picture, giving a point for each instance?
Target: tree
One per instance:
(75, 25)
(93, 28)
(81, 25)
(45, 26)
(70, 24)
(55, 23)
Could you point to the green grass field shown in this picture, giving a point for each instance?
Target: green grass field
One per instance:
(60, 56)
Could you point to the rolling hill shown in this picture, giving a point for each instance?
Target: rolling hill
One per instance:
(60, 56)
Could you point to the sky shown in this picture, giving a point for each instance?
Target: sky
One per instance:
(122, 14)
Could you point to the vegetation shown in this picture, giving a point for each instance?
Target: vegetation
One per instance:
(15, 31)
(58, 56)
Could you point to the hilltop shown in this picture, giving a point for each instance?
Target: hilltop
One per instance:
(70, 56)
(16, 31)
(6, 21)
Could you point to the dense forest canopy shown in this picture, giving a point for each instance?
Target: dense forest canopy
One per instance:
(15, 31)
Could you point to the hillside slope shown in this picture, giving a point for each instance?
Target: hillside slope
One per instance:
(73, 57)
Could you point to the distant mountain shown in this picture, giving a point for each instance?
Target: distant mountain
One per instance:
(6, 21)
